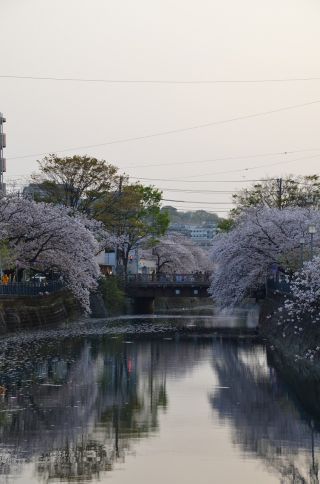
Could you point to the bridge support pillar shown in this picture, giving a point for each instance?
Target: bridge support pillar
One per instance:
(143, 305)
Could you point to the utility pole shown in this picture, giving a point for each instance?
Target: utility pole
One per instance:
(2, 159)
(312, 229)
(120, 183)
(302, 242)
(117, 247)
(2, 165)
(280, 192)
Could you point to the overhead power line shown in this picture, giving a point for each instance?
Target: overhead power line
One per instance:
(191, 208)
(27, 177)
(192, 201)
(186, 190)
(201, 181)
(225, 158)
(162, 81)
(238, 170)
(194, 209)
(175, 131)
(255, 167)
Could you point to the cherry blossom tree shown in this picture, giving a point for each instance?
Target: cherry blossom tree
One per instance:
(304, 299)
(261, 237)
(175, 253)
(46, 237)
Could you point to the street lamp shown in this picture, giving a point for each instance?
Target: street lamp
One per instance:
(302, 242)
(312, 230)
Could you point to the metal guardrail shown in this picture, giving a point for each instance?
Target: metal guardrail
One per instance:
(30, 288)
(168, 279)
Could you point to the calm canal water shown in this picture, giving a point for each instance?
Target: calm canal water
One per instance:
(88, 405)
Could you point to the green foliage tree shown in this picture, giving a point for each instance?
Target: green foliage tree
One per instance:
(197, 217)
(225, 224)
(76, 181)
(113, 294)
(302, 191)
(7, 259)
(133, 214)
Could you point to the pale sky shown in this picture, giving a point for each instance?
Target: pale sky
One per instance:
(177, 40)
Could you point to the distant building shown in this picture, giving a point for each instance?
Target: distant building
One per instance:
(182, 229)
(199, 234)
(35, 191)
(137, 263)
(140, 262)
(107, 261)
(44, 191)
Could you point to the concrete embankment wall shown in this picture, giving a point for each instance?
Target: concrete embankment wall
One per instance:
(23, 312)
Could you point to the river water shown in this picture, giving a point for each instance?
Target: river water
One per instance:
(89, 403)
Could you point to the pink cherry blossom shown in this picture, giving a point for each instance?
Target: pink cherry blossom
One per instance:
(46, 237)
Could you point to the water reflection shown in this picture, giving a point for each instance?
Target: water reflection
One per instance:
(76, 407)
(265, 418)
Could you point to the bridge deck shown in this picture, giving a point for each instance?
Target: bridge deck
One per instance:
(169, 279)
(167, 285)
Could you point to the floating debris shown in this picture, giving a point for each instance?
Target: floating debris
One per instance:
(49, 385)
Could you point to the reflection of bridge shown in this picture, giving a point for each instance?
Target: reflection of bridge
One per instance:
(144, 288)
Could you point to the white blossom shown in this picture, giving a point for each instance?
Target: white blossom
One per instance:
(305, 287)
(243, 258)
(46, 237)
(176, 253)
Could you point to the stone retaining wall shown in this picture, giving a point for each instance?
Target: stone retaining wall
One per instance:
(23, 312)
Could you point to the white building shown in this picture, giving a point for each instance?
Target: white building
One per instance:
(107, 261)
(136, 263)
(199, 234)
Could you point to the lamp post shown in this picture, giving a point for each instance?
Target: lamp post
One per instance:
(302, 242)
(312, 230)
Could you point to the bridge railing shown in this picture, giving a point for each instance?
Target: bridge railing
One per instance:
(176, 279)
(30, 288)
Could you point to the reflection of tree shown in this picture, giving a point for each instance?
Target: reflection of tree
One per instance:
(76, 406)
(132, 388)
(83, 461)
(264, 419)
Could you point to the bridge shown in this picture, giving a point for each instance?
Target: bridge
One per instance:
(145, 288)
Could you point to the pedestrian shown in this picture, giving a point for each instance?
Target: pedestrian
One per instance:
(5, 279)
